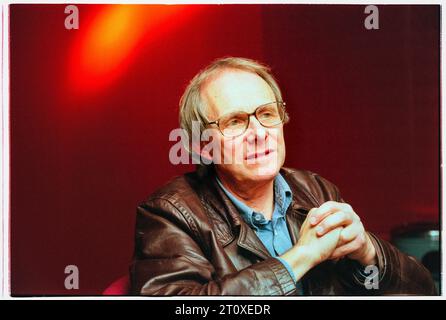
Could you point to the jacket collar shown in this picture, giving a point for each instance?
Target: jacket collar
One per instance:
(229, 224)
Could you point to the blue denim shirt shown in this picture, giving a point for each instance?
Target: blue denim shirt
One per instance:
(273, 233)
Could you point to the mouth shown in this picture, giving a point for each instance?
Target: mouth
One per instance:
(258, 155)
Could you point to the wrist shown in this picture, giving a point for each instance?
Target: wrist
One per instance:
(299, 259)
(369, 256)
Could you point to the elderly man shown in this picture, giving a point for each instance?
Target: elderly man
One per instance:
(245, 225)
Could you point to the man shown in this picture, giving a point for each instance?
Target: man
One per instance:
(243, 224)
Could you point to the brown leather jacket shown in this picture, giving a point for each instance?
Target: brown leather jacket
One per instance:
(191, 240)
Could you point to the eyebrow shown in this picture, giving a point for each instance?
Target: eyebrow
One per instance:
(260, 105)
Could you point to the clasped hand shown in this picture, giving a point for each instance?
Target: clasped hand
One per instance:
(333, 231)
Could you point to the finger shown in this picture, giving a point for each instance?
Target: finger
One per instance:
(310, 216)
(321, 213)
(328, 208)
(338, 219)
(349, 247)
(350, 232)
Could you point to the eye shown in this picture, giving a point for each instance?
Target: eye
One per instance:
(234, 122)
(267, 113)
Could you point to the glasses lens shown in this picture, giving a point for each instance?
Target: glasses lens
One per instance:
(270, 115)
(233, 124)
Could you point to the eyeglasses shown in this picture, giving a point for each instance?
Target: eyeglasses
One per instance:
(235, 124)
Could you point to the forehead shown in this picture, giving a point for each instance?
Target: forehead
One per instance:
(233, 90)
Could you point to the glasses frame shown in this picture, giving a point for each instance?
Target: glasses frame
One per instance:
(280, 104)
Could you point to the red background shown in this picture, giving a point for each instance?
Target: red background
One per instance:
(86, 149)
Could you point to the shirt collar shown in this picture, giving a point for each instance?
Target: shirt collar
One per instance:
(282, 200)
(282, 195)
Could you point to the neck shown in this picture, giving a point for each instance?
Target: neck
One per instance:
(258, 195)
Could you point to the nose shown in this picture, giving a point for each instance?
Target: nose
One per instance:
(255, 132)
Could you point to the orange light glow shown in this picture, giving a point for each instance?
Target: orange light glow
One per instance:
(107, 44)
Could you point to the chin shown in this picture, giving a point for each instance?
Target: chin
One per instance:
(265, 168)
(263, 171)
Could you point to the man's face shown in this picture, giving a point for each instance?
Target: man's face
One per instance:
(258, 153)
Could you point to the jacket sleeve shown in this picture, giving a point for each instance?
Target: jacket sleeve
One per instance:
(170, 259)
(398, 273)
(401, 273)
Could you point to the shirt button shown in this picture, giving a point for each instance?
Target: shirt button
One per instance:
(257, 217)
